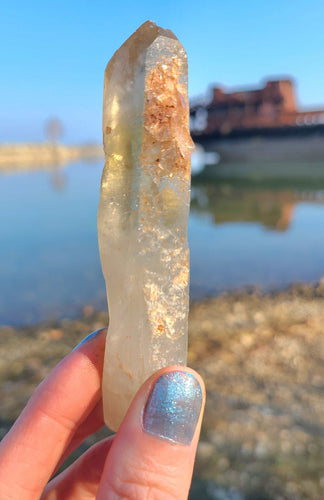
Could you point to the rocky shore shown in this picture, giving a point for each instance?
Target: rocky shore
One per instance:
(42, 155)
(262, 359)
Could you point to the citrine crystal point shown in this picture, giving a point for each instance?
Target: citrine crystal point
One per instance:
(143, 213)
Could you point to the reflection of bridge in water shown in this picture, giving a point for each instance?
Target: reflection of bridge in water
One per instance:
(272, 208)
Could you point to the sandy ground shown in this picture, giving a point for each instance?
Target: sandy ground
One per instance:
(262, 359)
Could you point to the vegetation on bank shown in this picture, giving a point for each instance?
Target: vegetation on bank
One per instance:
(40, 155)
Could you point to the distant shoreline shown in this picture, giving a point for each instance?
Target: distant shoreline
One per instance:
(31, 156)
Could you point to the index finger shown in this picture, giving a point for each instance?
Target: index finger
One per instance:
(31, 450)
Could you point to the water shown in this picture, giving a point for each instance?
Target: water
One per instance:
(239, 235)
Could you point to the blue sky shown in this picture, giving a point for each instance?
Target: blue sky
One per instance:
(54, 52)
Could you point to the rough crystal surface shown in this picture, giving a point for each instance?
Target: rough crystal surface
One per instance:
(143, 212)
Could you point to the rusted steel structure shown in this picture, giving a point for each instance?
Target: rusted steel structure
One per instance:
(271, 107)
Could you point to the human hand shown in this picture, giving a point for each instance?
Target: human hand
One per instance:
(150, 457)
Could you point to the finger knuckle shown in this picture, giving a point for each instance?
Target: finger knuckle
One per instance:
(142, 484)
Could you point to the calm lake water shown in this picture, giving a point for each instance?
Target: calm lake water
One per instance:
(240, 234)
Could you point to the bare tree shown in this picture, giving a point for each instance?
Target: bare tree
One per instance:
(54, 130)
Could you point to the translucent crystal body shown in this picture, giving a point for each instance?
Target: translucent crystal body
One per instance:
(143, 212)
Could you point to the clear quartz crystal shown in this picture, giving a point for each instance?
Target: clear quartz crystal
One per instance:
(143, 213)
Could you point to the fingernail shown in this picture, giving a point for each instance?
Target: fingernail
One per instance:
(173, 407)
(89, 337)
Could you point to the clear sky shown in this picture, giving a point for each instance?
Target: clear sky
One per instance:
(53, 53)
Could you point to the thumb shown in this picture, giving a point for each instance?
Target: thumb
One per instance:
(153, 453)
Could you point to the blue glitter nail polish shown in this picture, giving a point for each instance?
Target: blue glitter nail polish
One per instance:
(89, 337)
(173, 407)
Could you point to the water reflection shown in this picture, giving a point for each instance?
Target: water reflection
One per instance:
(241, 233)
(231, 202)
(58, 179)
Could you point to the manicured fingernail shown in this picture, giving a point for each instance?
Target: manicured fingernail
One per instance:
(173, 407)
(89, 337)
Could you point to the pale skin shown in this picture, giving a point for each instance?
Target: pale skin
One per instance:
(62, 412)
